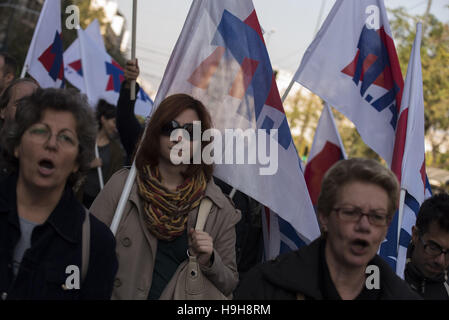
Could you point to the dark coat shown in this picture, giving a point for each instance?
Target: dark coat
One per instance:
(429, 289)
(298, 272)
(128, 127)
(117, 157)
(55, 245)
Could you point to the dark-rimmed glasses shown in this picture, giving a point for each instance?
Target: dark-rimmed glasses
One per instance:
(433, 249)
(173, 125)
(377, 218)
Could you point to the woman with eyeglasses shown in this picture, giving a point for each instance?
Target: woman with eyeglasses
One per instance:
(355, 207)
(50, 247)
(156, 233)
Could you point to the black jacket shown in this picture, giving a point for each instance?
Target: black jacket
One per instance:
(429, 289)
(55, 245)
(298, 272)
(128, 127)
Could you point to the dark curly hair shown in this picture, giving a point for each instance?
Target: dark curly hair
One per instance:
(30, 110)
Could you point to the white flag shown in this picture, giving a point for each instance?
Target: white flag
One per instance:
(352, 64)
(44, 61)
(72, 56)
(103, 76)
(221, 59)
(414, 178)
(327, 149)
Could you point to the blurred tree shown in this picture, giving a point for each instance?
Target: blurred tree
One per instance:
(303, 111)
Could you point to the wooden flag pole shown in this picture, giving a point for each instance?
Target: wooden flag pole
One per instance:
(133, 47)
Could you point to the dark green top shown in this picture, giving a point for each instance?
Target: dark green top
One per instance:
(169, 255)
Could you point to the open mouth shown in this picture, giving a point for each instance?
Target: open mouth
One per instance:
(359, 246)
(46, 166)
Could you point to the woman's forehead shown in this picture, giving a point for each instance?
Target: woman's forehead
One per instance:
(59, 119)
(363, 194)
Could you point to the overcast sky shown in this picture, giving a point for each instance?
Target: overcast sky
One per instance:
(289, 28)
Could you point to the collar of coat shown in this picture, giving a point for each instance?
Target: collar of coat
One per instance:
(66, 218)
(298, 272)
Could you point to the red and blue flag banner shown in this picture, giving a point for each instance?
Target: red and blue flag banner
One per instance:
(44, 60)
(221, 59)
(414, 182)
(327, 149)
(103, 76)
(352, 64)
(362, 80)
(72, 57)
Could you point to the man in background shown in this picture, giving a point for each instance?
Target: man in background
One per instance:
(428, 253)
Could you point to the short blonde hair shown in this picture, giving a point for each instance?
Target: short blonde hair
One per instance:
(360, 170)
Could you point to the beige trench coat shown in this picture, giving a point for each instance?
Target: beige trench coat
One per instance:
(136, 246)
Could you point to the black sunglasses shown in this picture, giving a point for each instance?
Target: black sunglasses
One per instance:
(173, 125)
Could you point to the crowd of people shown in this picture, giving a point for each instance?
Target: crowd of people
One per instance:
(55, 214)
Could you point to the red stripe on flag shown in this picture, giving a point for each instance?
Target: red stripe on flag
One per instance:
(423, 174)
(399, 144)
(253, 22)
(274, 99)
(317, 167)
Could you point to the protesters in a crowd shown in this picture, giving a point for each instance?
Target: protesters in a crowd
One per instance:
(428, 253)
(49, 245)
(18, 89)
(249, 242)
(156, 232)
(8, 70)
(357, 202)
(112, 156)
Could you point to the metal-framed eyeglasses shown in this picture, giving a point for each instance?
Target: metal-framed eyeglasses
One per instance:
(41, 133)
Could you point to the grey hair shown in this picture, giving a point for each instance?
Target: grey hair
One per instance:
(30, 110)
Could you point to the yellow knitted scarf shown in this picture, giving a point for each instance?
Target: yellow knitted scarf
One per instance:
(166, 211)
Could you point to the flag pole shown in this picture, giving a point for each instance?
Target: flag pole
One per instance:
(100, 173)
(415, 48)
(400, 215)
(123, 199)
(133, 47)
(24, 71)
